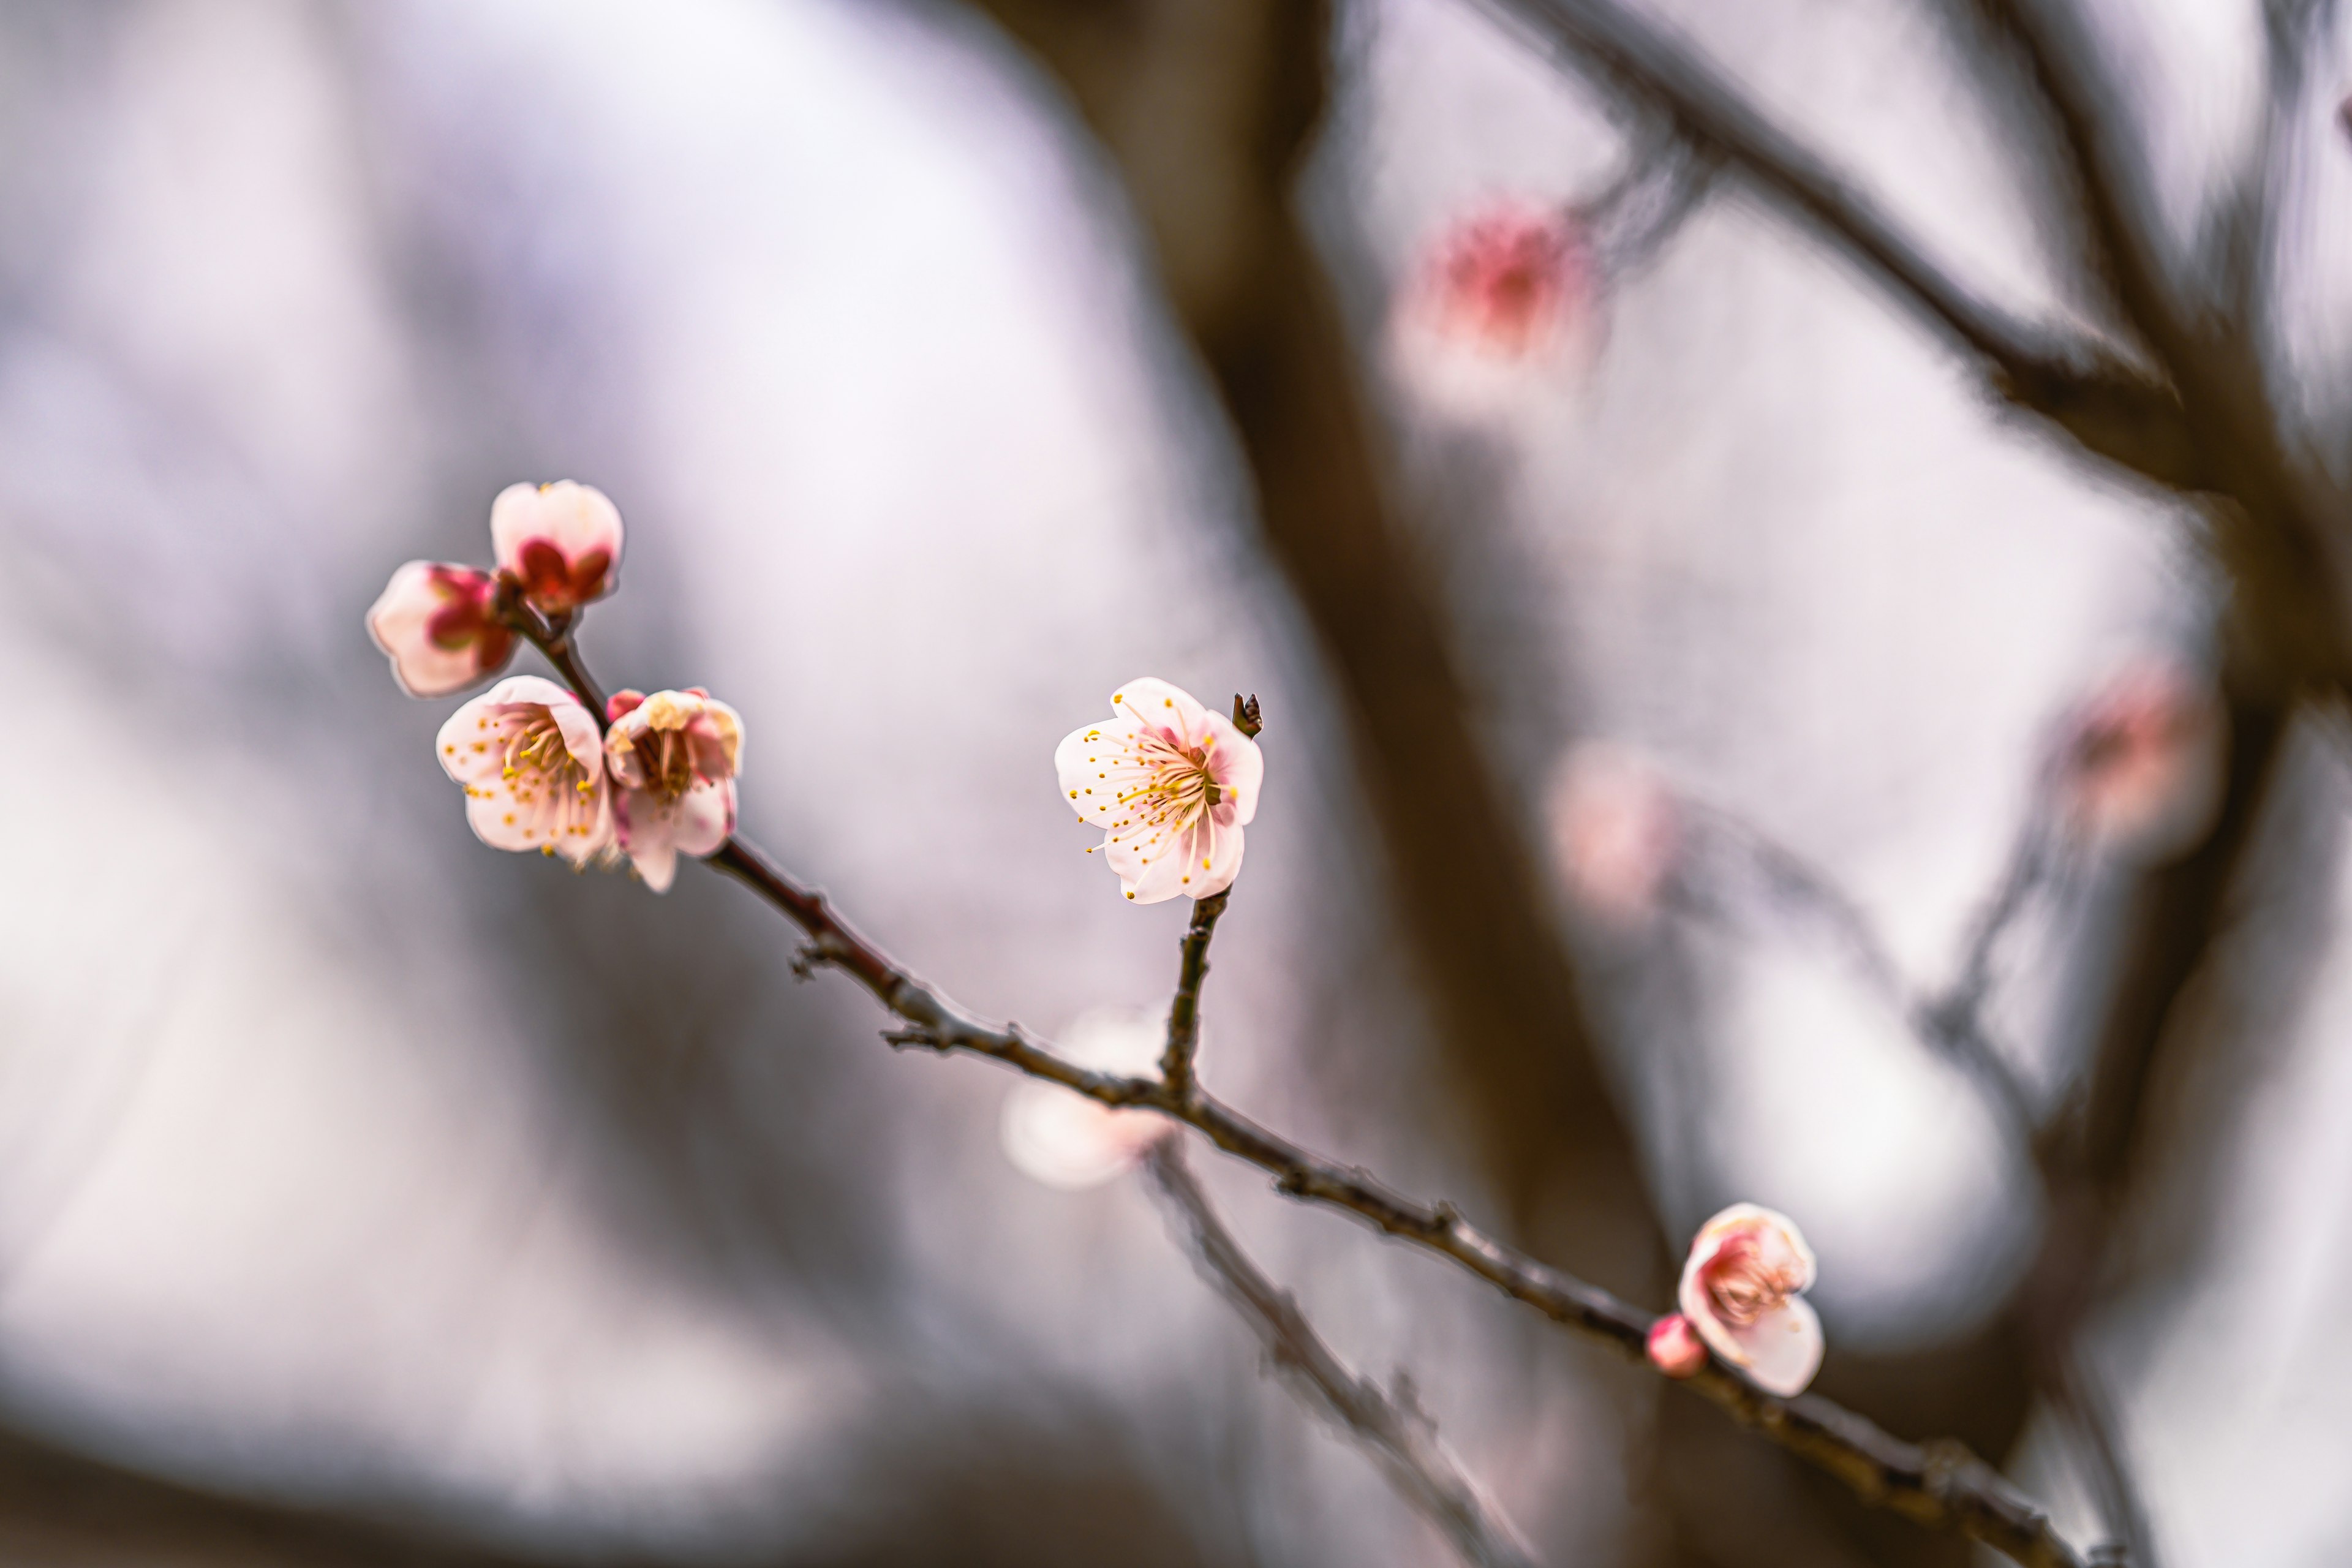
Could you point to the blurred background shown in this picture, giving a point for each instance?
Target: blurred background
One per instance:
(1715, 751)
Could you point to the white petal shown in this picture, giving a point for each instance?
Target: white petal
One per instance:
(706, 816)
(1213, 857)
(514, 518)
(1237, 765)
(1160, 706)
(575, 518)
(583, 737)
(503, 821)
(1780, 1351)
(470, 744)
(1083, 762)
(398, 622)
(650, 836)
(1151, 862)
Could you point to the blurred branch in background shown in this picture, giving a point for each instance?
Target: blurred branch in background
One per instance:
(1393, 1429)
(2106, 407)
(65, 1510)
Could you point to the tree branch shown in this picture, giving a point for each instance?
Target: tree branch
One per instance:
(1938, 1484)
(1184, 1012)
(1397, 1433)
(2109, 407)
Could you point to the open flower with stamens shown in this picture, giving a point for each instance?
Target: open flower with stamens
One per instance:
(673, 757)
(560, 542)
(1171, 783)
(532, 761)
(436, 624)
(1741, 1290)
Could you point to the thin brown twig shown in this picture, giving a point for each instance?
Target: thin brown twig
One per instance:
(1938, 1484)
(1399, 1436)
(1184, 1012)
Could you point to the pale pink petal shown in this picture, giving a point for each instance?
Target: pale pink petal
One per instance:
(470, 744)
(648, 831)
(1158, 705)
(574, 518)
(1084, 761)
(1235, 763)
(582, 736)
(1780, 1351)
(1150, 870)
(1212, 855)
(1674, 1347)
(400, 622)
(706, 816)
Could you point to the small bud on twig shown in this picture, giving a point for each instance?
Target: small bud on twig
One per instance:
(1246, 716)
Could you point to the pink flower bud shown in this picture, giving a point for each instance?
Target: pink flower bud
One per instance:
(2140, 764)
(673, 757)
(1172, 783)
(531, 760)
(434, 622)
(1742, 1290)
(1616, 831)
(560, 542)
(1675, 1348)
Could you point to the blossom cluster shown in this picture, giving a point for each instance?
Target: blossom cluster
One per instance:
(1171, 783)
(649, 779)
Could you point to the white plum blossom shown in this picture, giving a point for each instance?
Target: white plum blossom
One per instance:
(560, 542)
(435, 624)
(673, 757)
(1741, 1290)
(531, 760)
(1171, 783)
(1062, 1139)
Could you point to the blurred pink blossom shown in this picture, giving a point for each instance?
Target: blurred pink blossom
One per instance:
(1171, 783)
(1741, 1290)
(2140, 764)
(1616, 831)
(434, 622)
(673, 757)
(531, 760)
(1675, 1348)
(1508, 280)
(1069, 1141)
(560, 542)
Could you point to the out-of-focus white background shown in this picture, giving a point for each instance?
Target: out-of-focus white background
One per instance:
(344, 1161)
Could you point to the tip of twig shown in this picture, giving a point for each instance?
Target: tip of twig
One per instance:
(1247, 718)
